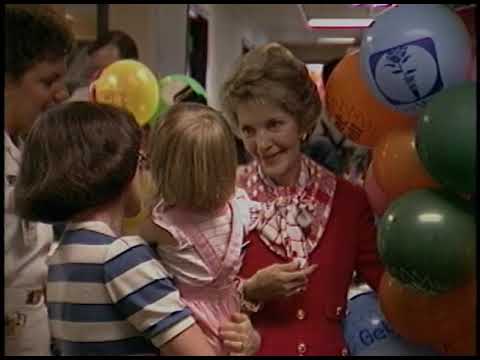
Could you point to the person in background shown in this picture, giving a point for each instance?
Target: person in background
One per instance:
(107, 294)
(108, 48)
(326, 145)
(37, 41)
(273, 105)
(328, 68)
(85, 68)
(77, 62)
(357, 166)
(330, 148)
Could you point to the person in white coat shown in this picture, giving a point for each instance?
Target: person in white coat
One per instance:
(37, 40)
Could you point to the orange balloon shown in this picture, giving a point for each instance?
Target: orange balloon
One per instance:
(355, 111)
(464, 346)
(376, 196)
(422, 318)
(397, 166)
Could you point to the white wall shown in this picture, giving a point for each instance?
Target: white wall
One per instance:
(227, 27)
(159, 30)
(170, 41)
(83, 18)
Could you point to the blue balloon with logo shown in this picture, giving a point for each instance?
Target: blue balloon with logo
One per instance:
(367, 332)
(413, 51)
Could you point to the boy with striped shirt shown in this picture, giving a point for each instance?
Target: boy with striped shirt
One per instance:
(106, 294)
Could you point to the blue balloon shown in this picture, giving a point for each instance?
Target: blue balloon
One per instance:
(396, 346)
(412, 52)
(367, 332)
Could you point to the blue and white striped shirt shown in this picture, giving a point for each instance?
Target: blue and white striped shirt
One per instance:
(110, 296)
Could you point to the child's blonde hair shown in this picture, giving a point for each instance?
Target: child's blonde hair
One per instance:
(193, 157)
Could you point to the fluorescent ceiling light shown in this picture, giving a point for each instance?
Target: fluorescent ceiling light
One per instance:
(340, 23)
(337, 40)
(373, 5)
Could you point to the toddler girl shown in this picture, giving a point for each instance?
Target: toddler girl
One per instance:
(200, 220)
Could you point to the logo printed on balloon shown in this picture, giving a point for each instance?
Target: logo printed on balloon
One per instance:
(367, 332)
(343, 122)
(408, 74)
(368, 336)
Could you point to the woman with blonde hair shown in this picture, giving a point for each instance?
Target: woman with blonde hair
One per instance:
(273, 105)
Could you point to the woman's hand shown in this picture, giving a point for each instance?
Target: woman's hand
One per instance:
(239, 337)
(277, 280)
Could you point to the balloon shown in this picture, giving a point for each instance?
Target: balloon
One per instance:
(162, 107)
(376, 196)
(463, 346)
(446, 138)
(130, 85)
(397, 346)
(194, 84)
(171, 85)
(146, 189)
(429, 319)
(412, 52)
(356, 113)
(366, 331)
(427, 240)
(396, 165)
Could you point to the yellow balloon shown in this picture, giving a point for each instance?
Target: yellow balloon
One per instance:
(146, 190)
(130, 85)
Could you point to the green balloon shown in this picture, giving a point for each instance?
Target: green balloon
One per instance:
(446, 138)
(187, 80)
(194, 84)
(427, 240)
(168, 87)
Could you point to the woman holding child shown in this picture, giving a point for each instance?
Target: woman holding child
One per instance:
(273, 106)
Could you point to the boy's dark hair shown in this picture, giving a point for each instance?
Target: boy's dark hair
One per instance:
(125, 44)
(77, 156)
(33, 33)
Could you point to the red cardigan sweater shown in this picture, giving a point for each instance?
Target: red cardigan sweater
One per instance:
(310, 323)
